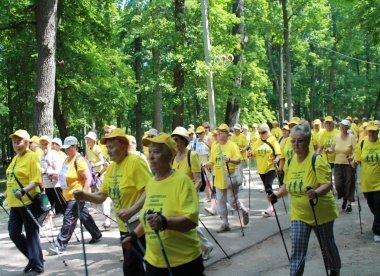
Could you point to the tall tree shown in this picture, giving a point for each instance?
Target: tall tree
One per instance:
(46, 28)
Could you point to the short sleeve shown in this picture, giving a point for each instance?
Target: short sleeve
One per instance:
(81, 164)
(35, 170)
(188, 200)
(141, 174)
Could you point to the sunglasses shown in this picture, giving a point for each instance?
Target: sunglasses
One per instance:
(262, 132)
(298, 141)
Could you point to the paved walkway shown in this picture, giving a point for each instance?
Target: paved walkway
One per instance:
(103, 258)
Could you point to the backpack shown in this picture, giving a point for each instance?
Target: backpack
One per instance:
(203, 173)
(94, 185)
(313, 159)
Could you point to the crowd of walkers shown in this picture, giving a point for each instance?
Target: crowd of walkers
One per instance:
(155, 193)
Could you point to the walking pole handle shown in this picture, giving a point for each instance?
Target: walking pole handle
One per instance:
(312, 202)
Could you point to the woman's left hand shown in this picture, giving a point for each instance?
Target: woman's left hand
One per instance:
(312, 194)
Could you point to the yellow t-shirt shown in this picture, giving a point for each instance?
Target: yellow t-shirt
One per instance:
(264, 154)
(72, 177)
(254, 137)
(184, 167)
(343, 148)
(93, 155)
(355, 129)
(124, 183)
(229, 149)
(104, 151)
(173, 196)
(287, 150)
(299, 176)
(369, 157)
(241, 141)
(61, 155)
(326, 140)
(276, 132)
(27, 170)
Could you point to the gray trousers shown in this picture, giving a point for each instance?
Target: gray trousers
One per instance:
(227, 195)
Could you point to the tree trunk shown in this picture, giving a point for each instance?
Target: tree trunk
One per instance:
(59, 118)
(277, 84)
(377, 106)
(46, 29)
(233, 107)
(287, 59)
(138, 108)
(158, 121)
(281, 83)
(330, 97)
(179, 71)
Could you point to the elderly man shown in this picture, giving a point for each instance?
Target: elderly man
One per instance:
(124, 182)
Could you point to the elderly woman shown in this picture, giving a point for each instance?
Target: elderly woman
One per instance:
(267, 153)
(307, 178)
(170, 213)
(224, 159)
(343, 145)
(23, 179)
(74, 175)
(366, 153)
(124, 182)
(187, 162)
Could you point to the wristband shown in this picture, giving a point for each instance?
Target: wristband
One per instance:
(22, 191)
(164, 222)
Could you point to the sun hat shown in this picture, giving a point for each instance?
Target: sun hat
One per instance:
(20, 133)
(372, 125)
(162, 138)
(45, 138)
(181, 131)
(223, 127)
(117, 132)
(92, 135)
(58, 141)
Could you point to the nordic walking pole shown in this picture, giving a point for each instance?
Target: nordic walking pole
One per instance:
(82, 236)
(312, 204)
(208, 231)
(5, 210)
(331, 180)
(170, 272)
(249, 183)
(2, 198)
(40, 228)
(280, 183)
(359, 206)
(270, 192)
(130, 229)
(233, 191)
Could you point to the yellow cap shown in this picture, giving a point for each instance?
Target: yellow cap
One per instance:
(349, 118)
(329, 119)
(190, 131)
(200, 129)
(317, 122)
(295, 121)
(20, 133)
(255, 125)
(162, 138)
(373, 125)
(45, 138)
(356, 119)
(286, 127)
(35, 139)
(117, 132)
(364, 125)
(223, 127)
(109, 126)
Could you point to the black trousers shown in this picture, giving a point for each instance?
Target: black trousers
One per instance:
(373, 201)
(29, 244)
(133, 259)
(193, 268)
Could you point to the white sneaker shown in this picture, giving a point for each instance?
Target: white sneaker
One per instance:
(376, 238)
(206, 252)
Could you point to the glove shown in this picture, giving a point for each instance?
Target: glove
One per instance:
(2, 199)
(271, 196)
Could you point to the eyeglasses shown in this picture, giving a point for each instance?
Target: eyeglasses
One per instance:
(207, 127)
(298, 141)
(262, 132)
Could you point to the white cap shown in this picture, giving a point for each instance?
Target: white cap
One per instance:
(153, 132)
(69, 141)
(345, 122)
(181, 131)
(92, 136)
(57, 141)
(237, 126)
